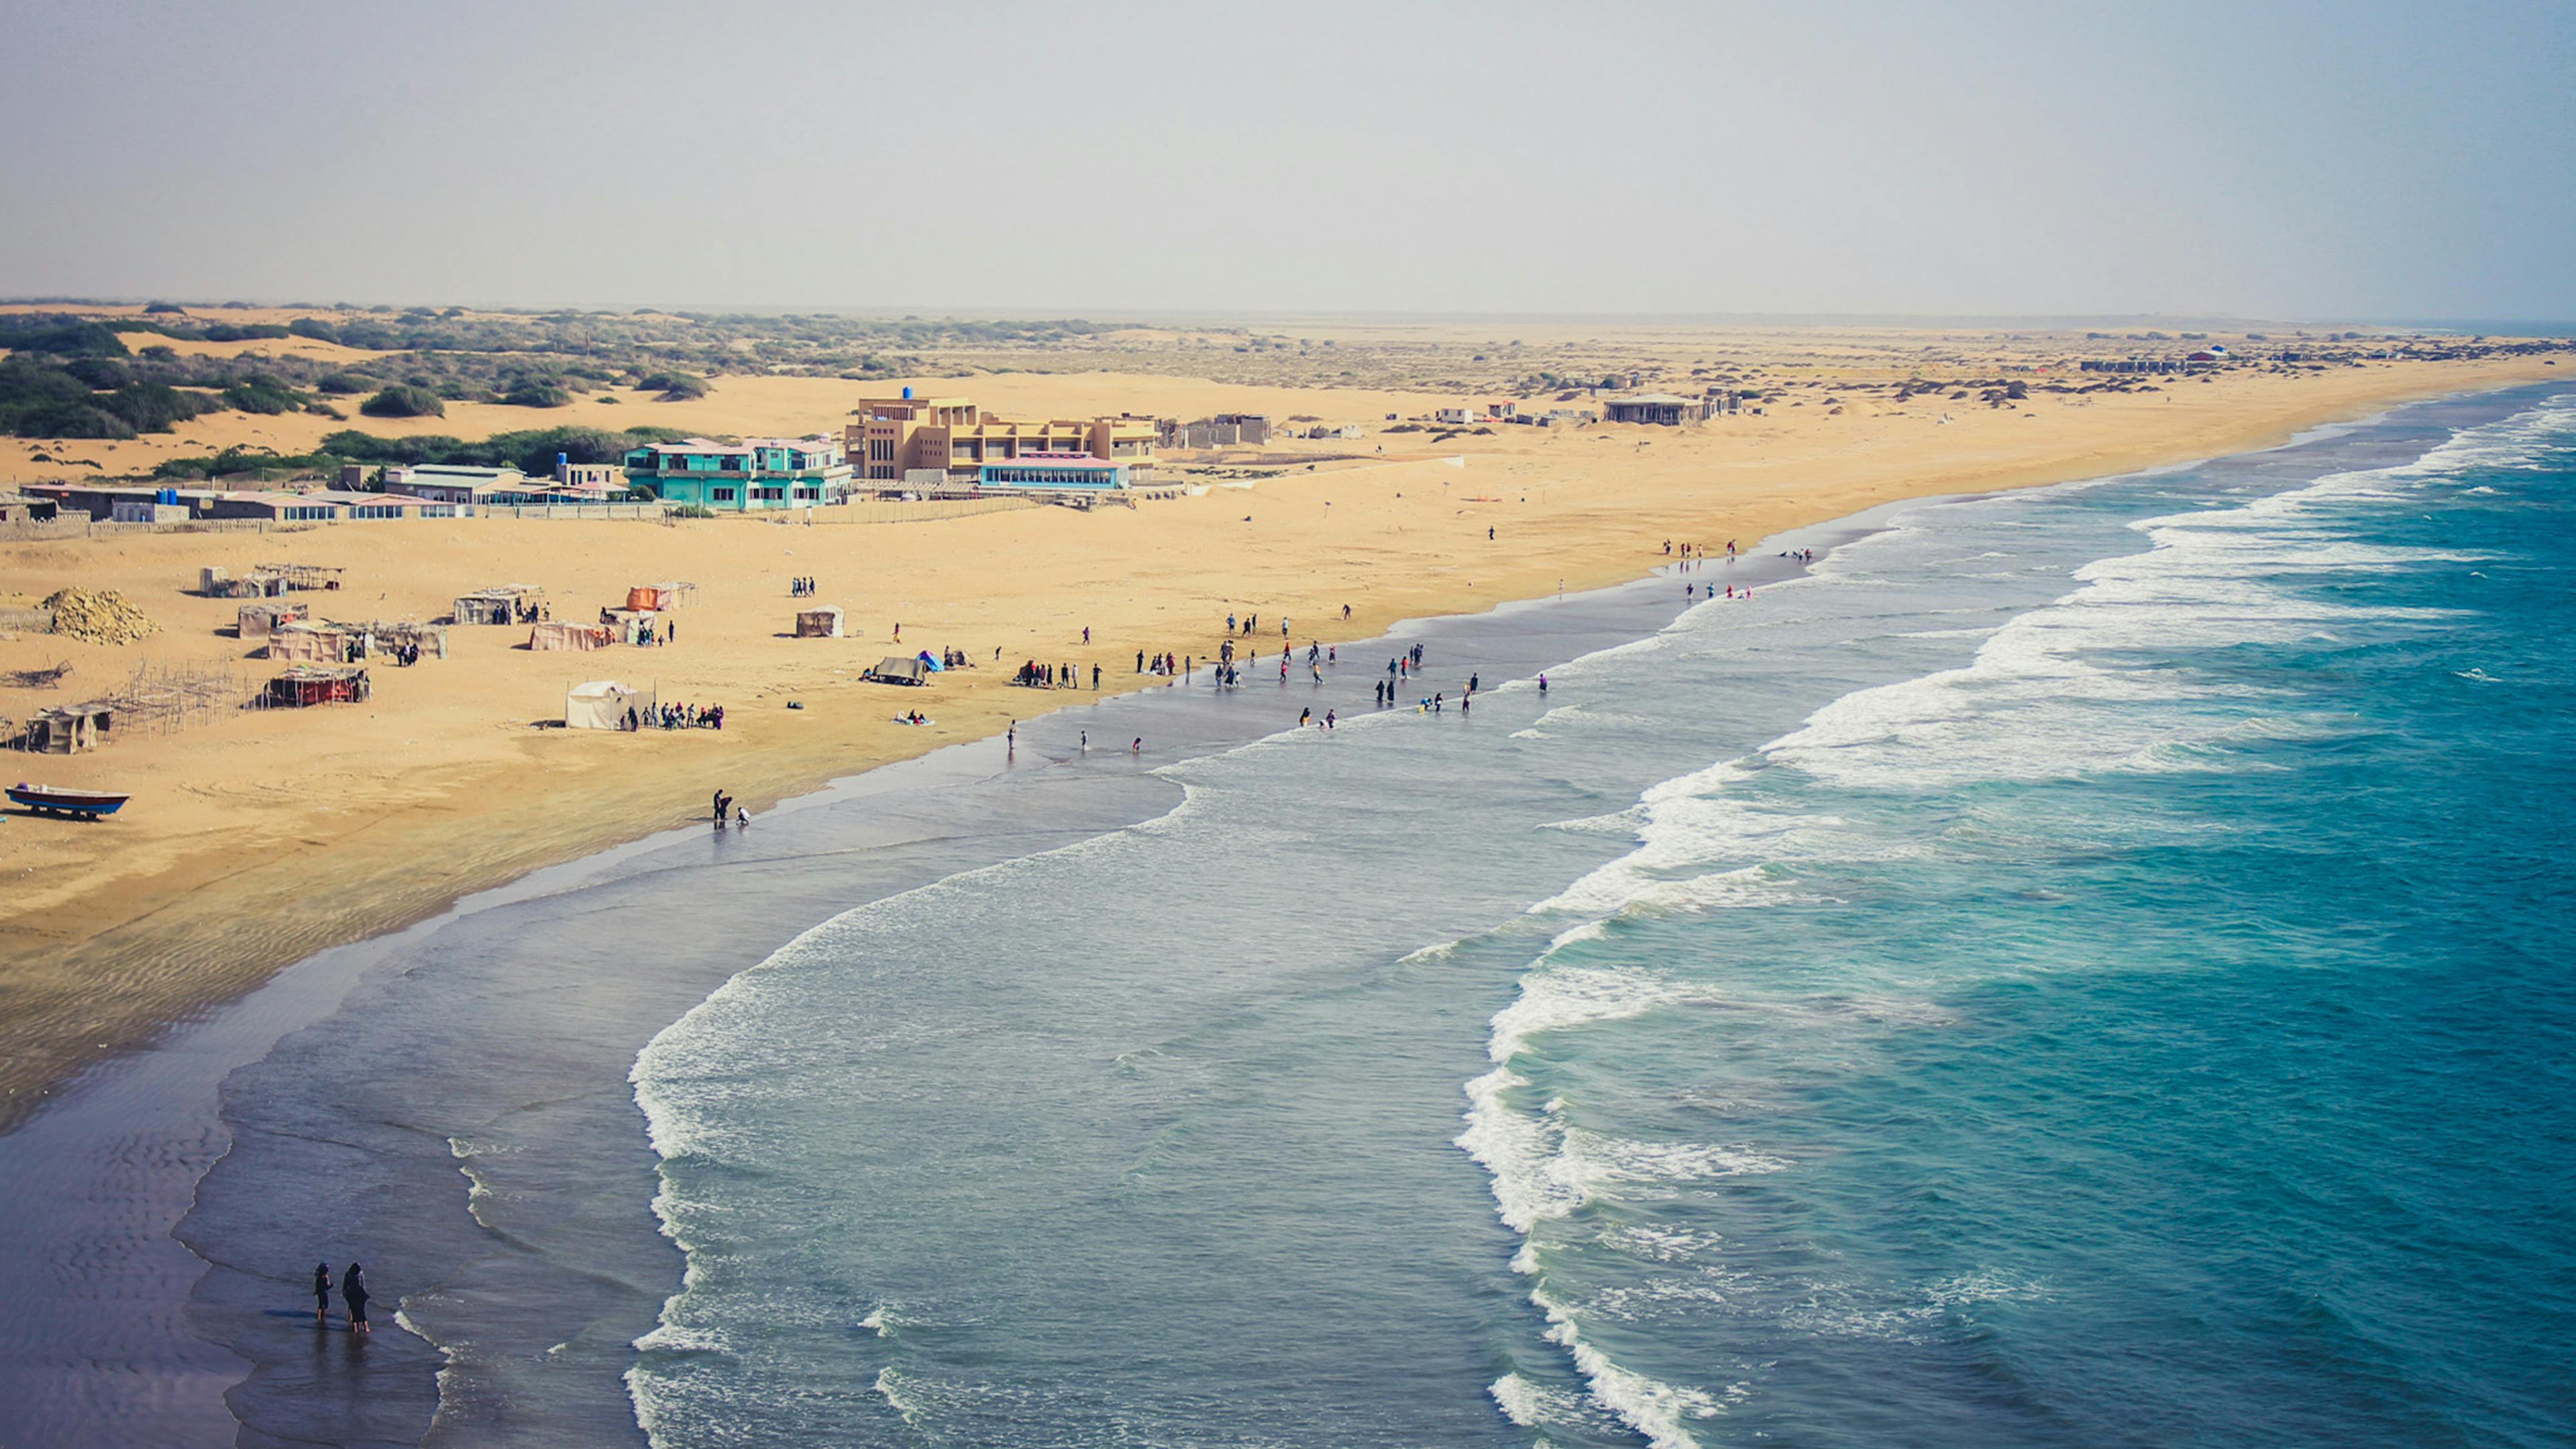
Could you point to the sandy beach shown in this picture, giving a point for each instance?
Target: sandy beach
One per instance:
(262, 837)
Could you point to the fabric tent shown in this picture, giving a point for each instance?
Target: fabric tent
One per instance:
(895, 669)
(820, 622)
(602, 705)
(560, 634)
(653, 596)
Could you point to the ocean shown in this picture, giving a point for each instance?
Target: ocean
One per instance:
(2079, 966)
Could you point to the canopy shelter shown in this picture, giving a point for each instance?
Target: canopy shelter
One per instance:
(603, 704)
(627, 626)
(258, 621)
(896, 669)
(823, 621)
(501, 604)
(309, 643)
(561, 634)
(310, 684)
(69, 729)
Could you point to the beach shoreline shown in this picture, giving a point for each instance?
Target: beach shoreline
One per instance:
(116, 952)
(943, 769)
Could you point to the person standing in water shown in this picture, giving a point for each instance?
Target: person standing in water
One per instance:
(321, 1295)
(353, 1291)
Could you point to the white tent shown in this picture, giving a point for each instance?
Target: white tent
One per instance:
(602, 705)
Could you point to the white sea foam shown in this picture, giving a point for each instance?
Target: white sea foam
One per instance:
(1657, 1410)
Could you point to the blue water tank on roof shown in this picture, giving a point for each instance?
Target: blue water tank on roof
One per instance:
(907, 394)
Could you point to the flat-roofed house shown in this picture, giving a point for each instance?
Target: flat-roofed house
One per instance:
(1658, 409)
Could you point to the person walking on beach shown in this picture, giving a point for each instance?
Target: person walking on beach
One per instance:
(1095, 678)
(353, 1291)
(321, 1295)
(1305, 717)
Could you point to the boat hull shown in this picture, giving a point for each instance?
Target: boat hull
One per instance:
(87, 804)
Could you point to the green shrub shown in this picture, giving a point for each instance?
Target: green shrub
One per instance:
(535, 394)
(260, 393)
(341, 384)
(74, 339)
(151, 407)
(314, 328)
(155, 309)
(404, 401)
(675, 386)
(689, 510)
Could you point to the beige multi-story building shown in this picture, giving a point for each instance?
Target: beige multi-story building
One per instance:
(891, 437)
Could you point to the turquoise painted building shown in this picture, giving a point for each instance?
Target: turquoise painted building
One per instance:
(753, 474)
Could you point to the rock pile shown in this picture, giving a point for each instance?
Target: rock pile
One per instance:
(101, 616)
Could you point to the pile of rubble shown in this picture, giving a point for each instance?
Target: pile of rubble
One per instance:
(101, 616)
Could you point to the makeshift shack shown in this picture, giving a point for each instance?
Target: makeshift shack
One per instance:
(501, 604)
(69, 729)
(662, 596)
(895, 669)
(820, 622)
(603, 704)
(218, 583)
(309, 684)
(260, 620)
(302, 576)
(378, 637)
(310, 643)
(556, 634)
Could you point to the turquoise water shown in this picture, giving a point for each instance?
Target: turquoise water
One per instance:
(2082, 967)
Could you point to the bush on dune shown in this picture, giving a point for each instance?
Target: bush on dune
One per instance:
(675, 386)
(404, 401)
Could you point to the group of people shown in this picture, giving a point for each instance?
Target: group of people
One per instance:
(1034, 675)
(353, 1294)
(407, 654)
(1249, 622)
(1694, 554)
(725, 806)
(800, 588)
(677, 717)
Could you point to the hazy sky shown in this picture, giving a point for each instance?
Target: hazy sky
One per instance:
(2328, 161)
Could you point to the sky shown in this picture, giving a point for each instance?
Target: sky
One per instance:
(2359, 160)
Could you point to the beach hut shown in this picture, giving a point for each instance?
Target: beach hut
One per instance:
(662, 596)
(823, 621)
(309, 643)
(603, 704)
(500, 604)
(310, 684)
(258, 621)
(896, 669)
(559, 634)
(69, 729)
